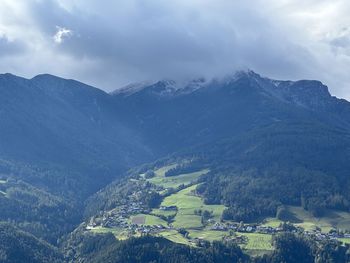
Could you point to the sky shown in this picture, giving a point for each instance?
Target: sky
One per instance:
(109, 44)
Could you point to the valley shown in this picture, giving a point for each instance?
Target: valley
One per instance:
(243, 163)
(182, 217)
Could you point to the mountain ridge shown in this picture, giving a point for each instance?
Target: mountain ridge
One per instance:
(64, 140)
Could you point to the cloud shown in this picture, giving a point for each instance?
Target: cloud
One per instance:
(117, 42)
(10, 47)
(61, 34)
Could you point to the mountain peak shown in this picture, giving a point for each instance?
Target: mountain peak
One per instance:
(45, 77)
(10, 76)
(161, 88)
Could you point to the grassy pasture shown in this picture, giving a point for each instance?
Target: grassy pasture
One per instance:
(187, 203)
(272, 222)
(160, 172)
(175, 237)
(158, 212)
(258, 241)
(119, 233)
(305, 219)
(345, 240)
(187, 221)
(331, 219)
(148, 220)
(175, 181)
(209, 235)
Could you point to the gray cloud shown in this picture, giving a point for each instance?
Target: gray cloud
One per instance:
(9, 48)
(116, 42)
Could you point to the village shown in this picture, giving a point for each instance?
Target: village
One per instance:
(120, 218)
(133, 216)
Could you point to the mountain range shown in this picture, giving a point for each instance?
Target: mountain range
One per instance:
(64, 145)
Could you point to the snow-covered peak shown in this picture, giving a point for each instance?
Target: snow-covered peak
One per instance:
(162, 88)
(132, 88)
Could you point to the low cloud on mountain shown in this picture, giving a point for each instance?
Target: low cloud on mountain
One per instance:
(112, 43)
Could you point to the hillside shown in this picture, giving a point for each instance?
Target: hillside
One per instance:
(51, 124)
(172, 116)
(61, 141)
(17, 246)
(239, 148)
(75, 131)
(287, 142)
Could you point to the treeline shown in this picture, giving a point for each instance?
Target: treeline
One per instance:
(185, 167)
(93, 248)
(289, 248)
(250, 194)
(17, 246)
(285, 163)
(38, 212)
(119, 193)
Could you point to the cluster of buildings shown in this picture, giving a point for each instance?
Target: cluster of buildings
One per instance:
(316, 234)
(320, 236)
(146, 229)
(245, 228)
(119, 217)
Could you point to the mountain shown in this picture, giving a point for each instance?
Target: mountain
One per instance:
(53, 125)
(61, 140)
(287, 142)
(49, 123)
(67, 148)
(175, 116)
(18, 246)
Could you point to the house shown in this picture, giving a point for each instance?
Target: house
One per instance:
(219, 227)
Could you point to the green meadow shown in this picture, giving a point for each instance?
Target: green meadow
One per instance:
(187, 202)
(174, 181)
(331, 219)
(258, 241)
(175, 237)
(119, 233)
(209, 235)
(159, 212)
(149, 220)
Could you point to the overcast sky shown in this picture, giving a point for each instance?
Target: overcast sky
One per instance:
(111, 43)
